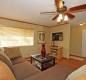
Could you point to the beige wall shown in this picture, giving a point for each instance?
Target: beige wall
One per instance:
(66, 38)
(47, 30)
(28, 50)
(76, 40)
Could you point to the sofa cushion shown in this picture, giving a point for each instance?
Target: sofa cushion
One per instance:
(12, 52)
(5, 72)
(58, 72)
(25, 70)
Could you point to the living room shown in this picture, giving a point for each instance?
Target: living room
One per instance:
(26, 51)
(71, 43)
(68, 43)
(36, 48)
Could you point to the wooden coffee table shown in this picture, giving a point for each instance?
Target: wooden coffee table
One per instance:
(42, 62)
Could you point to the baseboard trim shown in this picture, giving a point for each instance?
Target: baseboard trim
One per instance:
(77, 56)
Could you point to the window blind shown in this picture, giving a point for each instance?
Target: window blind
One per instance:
(15, 36)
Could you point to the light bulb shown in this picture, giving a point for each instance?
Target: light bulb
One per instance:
(58, 19)
(65, 18)
(81, 24)
(60, 16)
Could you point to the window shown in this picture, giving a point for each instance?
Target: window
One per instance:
(15, 37)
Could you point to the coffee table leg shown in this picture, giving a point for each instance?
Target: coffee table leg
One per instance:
(54, 62)
(41, 67)
(31, 60)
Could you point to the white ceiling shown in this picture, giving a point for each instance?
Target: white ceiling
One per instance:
(29, 11)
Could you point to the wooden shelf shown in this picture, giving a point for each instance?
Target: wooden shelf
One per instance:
(56, 51)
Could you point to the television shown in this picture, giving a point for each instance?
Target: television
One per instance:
(58, 36)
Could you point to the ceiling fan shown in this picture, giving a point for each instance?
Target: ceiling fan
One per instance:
(62, 9)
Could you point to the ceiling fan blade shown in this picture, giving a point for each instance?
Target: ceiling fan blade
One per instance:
(78, 8)
(47, 12)
(59, 4)
(55, 17)
(70, 15)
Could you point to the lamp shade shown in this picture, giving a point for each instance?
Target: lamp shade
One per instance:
(65, 18)
(58, 19)
(60, 16)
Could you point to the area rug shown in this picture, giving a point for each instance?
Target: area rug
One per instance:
(77, 58)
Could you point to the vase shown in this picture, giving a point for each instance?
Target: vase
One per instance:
(43, 50)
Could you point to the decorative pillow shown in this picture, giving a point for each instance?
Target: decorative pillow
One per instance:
(80, 71)
(2, 53)
(5, 72)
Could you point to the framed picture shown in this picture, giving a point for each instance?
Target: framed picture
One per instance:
(41, 37)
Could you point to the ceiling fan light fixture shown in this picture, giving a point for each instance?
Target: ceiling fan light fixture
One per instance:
(65, 18)
(81, 24)
(62, 18)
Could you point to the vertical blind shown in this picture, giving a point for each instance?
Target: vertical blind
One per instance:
(15, 37)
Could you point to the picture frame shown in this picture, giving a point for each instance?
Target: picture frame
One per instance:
(41, 37)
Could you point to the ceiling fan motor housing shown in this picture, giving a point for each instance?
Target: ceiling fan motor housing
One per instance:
(62, 10)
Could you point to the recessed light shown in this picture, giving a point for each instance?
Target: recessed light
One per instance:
(81, 24)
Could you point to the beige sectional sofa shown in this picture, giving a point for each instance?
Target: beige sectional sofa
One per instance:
(24, 70)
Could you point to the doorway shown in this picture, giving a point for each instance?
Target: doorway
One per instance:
(83, 43)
